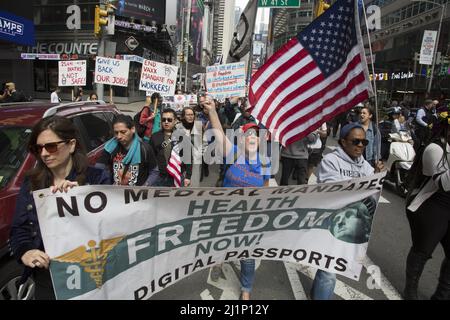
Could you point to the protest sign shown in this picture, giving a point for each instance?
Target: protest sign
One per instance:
(114, 242)
(71, 73)
(158, 77)
(111, 71)
(226, 80)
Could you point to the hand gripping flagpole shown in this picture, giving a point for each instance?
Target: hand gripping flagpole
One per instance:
(373, 78)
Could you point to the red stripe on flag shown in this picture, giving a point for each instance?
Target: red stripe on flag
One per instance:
(318, 95)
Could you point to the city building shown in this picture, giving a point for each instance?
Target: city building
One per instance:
(65, 30)
(397, 45)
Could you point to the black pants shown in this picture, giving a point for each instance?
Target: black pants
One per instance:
(430, 224)
(43, 285)
(289, 165)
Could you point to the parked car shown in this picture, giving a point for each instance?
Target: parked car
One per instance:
(93, 119)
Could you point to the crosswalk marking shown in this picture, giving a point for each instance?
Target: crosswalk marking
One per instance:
(296, 284)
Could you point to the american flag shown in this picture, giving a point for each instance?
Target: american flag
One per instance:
(174, 166)
(315, 76)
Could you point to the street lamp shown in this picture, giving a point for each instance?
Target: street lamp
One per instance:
(444, 8)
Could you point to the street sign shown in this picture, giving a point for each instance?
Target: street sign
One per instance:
(131, 43)
(278, 3)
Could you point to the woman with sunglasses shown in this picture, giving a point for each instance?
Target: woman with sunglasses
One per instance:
(61, 164)
(344, 163)
(245, 169)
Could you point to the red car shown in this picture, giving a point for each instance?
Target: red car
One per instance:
(94, 121)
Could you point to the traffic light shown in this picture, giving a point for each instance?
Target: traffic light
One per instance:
(181, 57)
(104, 17)
(100, 19)
(321, 7)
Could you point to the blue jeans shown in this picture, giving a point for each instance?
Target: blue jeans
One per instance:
(323, 285)
(247, 274)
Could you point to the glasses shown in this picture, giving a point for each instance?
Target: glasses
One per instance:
(167, 120)
(251, 133)
(356, 142)
(51, 147)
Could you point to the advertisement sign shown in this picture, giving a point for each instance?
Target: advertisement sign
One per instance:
(149, 10)
(428, 44)
(158, 77)
(16, 29)
(111, 71)
(71, 73)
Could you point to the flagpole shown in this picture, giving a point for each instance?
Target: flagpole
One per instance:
(377, 118)
(250, 63)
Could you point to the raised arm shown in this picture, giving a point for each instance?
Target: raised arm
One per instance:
(215, 123)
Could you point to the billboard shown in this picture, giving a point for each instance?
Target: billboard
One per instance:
(195, 32)
(149, 10)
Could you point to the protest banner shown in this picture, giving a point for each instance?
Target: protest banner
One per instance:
(226, 80)
(71, 73)
(114, 242)
(427, 48)
(111, 71)
(158, 77)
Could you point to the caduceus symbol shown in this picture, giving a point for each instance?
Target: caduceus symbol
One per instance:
(93, 260)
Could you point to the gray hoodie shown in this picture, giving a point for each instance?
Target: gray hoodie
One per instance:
(299, 148)
(338, 166)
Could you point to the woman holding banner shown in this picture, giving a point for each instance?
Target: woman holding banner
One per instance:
(61, 164)
(245, 170)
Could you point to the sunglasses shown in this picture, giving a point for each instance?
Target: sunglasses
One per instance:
(50, 147)
(356, 142)
(166, 120)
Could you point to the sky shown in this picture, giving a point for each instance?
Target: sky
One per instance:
(243, 3)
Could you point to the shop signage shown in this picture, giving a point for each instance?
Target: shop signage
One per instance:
(39, 56)
(131, 43)
(80, 48)
(16, 29)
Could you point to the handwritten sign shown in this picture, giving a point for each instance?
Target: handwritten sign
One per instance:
(158, 77)
(72, 73)
(226, 80)
(111, 71)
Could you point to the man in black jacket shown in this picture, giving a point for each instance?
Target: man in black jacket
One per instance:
(162, 143)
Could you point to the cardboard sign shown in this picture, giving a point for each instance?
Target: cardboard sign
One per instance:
(158, 77)
(226, 80)
(111, 71)
(72, 73)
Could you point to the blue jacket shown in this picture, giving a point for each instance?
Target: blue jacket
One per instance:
(25, 232)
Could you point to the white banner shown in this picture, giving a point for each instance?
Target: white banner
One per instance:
(111, 71)
(158, 77)
(226, 80)
(113, 242)
(428, 44)
(72, 73)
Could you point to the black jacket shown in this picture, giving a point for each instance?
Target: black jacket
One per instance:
(25, 233)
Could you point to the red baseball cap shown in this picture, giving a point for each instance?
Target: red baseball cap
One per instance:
(250, 125)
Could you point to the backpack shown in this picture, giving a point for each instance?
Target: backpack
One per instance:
(140, 128)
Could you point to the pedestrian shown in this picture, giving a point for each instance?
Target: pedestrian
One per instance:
(372, 151)
(162, 144)
(295, 156)
(192, 131)
(78, 95)
(128, 159)
(10, 94)
(246, 170)
(316, 149)
(428, 209)
(93, 97)
(425, 117)
(344, 163)
(54, 97)
(61, 165)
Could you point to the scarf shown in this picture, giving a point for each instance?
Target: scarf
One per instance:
(156, 122)
(134, 153)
